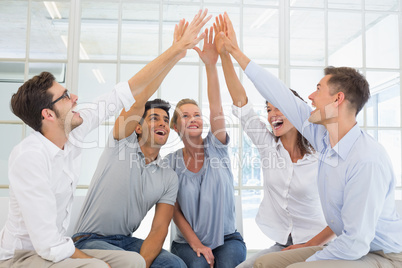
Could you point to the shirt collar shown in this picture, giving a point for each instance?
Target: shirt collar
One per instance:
(158, 161)
(343, 147)
(50, 146)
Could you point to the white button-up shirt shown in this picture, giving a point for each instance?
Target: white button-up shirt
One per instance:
(356, 181)
(291, 203)
(42, 182)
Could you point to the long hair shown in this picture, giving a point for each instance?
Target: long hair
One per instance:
(302, 143)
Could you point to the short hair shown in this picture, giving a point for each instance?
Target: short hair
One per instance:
(302, 143)
(349, 81)
(176, 113)
(31, 98)
(156, 103)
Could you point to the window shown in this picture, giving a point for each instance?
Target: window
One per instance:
(90, 45)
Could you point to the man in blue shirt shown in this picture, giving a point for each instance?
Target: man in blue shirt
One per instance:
(355, 177)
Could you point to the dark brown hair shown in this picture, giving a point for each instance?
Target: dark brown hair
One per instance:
(349, 81)
(31, 98)
(302, 143)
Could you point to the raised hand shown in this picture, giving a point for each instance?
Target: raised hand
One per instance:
(179, 30)
(189, 37)
(209, 55)
(225, 36)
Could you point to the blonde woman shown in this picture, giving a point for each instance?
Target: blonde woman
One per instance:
(205, 211)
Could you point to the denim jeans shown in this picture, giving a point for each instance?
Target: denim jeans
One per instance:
(165, 259)
(230, 254)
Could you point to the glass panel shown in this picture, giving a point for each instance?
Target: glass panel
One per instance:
(7, 90)
(49, 29)
(306, 3)
(12, 71)
(261, 33)
(94, 144)
(360, 118)
(225, 95)
(251, 163)
(253, 236)
(99, 16)
(382, 40)
(391, 140)
(140, 31)
(235, 160)
(11, 136)
(180, 83)
(57, 69)
(95, 80)
(13, 15)
(383, 108)
(345, 4)
(221, 2)
(382, 5)
(307, 38)
(262, 2)
(305, 81)
(345, 39)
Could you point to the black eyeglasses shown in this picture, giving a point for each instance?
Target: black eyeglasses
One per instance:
(66, 94)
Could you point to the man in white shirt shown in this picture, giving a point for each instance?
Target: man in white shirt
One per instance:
(44, 167)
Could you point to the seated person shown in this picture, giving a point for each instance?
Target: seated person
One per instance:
(130, 178)
(205, 209)
(43, 174)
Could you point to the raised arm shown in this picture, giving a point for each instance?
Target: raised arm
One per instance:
(236, 89)
(229, 42)
(191, 237)
(152, 245)
(209, 55)
(128, 120)
(188, 40)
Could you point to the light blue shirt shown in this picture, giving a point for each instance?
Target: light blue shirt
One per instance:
(206, 198)
(355, 179)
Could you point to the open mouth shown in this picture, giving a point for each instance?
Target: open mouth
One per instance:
(160, 132)
(193, 127)
(277, 124)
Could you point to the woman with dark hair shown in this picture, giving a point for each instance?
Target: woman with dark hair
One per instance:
(290, 213)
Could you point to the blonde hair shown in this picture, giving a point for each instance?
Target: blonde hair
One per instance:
(175, 116)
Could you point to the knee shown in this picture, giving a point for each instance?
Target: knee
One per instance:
(96, 263)
(134, 260)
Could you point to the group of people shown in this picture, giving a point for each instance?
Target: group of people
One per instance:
(330, 205)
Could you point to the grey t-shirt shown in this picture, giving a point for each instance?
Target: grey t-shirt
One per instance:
(123, 189)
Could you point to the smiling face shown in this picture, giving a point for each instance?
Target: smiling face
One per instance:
(67, 118)
(279, 123)
(324, 102)
(189, 122)
(154, 130)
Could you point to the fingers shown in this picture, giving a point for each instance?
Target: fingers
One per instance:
(211, 34)
(199, 54)
(206, 39)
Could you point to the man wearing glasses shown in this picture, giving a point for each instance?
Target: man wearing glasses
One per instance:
(44, 168)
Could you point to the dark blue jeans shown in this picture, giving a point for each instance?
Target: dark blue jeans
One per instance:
(229, 255)
(121, 242)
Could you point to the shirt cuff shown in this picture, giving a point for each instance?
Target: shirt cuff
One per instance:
(125, 95)
(312, 258)
(239, 112)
